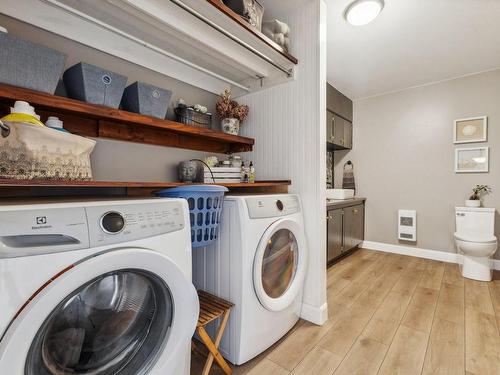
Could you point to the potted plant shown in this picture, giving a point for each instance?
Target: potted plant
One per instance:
(231, 113)
(477, 193)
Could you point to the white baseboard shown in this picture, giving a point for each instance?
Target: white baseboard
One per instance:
(314, 314)
(442, 256)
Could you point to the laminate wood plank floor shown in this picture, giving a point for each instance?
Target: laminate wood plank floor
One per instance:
(391, 314)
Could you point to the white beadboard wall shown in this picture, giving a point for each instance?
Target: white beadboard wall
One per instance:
(286, 122)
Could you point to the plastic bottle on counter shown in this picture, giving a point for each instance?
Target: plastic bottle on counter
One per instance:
(53, 122)
(251, 174)
(243, 169)
(22, 112)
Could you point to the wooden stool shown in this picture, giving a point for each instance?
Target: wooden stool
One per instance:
(211, 308)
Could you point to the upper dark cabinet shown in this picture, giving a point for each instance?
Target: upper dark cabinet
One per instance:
(338, 120)
(338, 103)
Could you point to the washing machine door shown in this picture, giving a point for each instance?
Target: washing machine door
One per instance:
(123, 312)
(280, 264)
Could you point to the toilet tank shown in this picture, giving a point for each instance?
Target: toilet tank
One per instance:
(475, 222)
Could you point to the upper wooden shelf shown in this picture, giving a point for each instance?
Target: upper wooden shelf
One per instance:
(98, 121)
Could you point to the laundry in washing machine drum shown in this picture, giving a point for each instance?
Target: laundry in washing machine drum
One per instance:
(114, 324)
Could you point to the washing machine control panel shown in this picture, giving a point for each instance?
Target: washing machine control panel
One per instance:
(121, 223)
(272, 206)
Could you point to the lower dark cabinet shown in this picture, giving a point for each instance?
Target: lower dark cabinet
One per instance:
(345, 230)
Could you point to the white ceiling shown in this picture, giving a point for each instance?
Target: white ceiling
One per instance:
(411, 43)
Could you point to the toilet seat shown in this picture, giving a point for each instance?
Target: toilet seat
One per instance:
(465, 238)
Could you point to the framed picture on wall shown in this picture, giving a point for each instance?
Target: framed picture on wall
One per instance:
(470, 130)
(472, 160)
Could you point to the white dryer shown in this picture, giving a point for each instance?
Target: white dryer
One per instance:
(96, 288)
(258, 263)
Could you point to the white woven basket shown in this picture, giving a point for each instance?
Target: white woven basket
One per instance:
(36, 152)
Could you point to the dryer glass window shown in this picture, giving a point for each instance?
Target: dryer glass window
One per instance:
(280, 263)
(115, 324)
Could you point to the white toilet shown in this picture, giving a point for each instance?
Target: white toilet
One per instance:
(476, 241)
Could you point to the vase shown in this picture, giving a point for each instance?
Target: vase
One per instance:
(472, 203)
(230, 126)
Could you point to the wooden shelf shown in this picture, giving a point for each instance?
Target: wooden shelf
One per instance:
(92, 120)
(258, 34)
(36, 188)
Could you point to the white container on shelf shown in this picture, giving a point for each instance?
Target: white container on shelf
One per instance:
(339, 194)
(222, 175)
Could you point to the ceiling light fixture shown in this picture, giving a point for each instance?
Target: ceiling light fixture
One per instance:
(362, 12)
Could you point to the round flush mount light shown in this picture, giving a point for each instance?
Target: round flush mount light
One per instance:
(362, 12)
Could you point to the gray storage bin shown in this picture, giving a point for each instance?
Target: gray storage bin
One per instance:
(146, 99)
(94, 85)
(29, 65)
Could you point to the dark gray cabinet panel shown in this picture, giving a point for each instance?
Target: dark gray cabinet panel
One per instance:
(334, 234)
(345, 229)
(347, 141)
(338, 130)
(354, 225)
(338, 103)
(339, 127)
(330, 121)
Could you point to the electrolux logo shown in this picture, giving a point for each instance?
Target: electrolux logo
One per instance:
(41, 223)
(40, 220)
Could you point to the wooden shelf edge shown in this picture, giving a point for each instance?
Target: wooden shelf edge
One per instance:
(58, 104)
(129, 184)
(235, 17)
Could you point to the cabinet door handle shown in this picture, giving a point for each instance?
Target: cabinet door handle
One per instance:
(355, 211)
(329, 217)
(333, 128)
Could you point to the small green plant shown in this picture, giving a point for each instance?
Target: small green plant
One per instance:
(479, 191)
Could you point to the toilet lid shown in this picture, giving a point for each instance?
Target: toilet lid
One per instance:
(463, 237)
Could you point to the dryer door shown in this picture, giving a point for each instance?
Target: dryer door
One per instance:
(280, 264)
(120, 312)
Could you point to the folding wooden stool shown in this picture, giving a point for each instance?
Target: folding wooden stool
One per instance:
(212, 308)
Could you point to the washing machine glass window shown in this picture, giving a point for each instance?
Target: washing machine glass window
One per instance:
(279, 263)
(114, 324)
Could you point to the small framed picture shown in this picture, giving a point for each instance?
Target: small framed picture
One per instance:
(472, 160)
(471, 130)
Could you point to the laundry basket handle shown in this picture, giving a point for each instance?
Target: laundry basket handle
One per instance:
(5, 129)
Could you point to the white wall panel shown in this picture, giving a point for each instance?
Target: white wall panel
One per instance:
(287, 124)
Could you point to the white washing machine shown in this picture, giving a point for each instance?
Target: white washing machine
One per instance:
(96, 288)
(258, 263)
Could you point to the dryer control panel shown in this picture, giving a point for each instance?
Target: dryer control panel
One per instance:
(121, 223)
(272, 206)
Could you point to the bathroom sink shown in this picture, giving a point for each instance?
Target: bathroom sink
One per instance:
(339, 194)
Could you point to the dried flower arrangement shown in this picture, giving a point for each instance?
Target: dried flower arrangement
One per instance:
(227, 108)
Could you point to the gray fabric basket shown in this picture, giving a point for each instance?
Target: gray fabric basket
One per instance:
(146, 99)
(29, 65)
(94, 85)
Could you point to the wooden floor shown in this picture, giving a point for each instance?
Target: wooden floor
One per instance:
(391, 314)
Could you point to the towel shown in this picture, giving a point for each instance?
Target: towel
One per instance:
(348, 178)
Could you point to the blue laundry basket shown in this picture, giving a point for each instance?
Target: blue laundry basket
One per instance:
(205, 209)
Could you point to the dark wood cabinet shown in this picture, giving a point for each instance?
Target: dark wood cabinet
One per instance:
(339, 120)
(347, 135)
(334, 234)
(338, 103)
(345, 229)
(353, 226)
